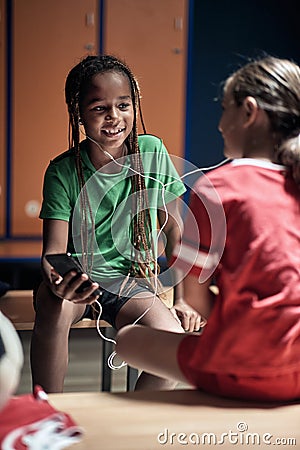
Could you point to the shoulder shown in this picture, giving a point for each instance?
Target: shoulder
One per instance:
(64, 163)
(64, 157)
(62, 167)
(241, 179)
(150, 143)
(242, 172)
(229, 174)
(215, 177)
(218, 184)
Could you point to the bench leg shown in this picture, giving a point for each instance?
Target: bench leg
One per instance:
(107, 349)
(132, 376)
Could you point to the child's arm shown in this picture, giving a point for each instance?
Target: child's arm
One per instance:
(189, 317)
(55, 238)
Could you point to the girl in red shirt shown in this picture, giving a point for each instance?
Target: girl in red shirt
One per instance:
(242, 233)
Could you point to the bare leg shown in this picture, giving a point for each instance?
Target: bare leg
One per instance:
(160, 356)
(49, 343)
(158, 317)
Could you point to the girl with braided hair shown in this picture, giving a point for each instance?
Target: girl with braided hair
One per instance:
(101, 202)
(250, 346)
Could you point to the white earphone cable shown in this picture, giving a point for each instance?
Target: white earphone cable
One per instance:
(163, 186)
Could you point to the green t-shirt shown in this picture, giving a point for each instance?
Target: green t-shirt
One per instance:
(111, 200)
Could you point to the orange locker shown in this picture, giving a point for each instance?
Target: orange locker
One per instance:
(152, 37)
(2, 118)
(49, 38)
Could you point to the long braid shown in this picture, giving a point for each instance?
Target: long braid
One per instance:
(142, 228)
(72, 92)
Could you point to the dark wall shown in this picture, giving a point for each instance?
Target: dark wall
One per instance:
(225, 34)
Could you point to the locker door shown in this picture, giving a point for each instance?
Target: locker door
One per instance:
(151, 36)
(49, 38)
(2, 119)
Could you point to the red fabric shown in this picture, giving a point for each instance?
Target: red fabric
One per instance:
(28, 420)
(254, 327)
(277, 388)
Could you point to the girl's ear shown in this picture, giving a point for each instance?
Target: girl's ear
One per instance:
(251, 109)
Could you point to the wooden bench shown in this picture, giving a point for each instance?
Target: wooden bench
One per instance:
(17, 305)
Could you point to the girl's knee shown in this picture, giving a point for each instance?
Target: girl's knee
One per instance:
(52, 312)
(126, 336)
(44, 299)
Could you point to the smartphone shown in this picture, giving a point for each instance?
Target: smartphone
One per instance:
(63, 263)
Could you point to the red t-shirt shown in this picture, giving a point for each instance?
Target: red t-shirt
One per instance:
(248, 236)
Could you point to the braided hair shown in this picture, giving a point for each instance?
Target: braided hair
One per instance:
(76, 82)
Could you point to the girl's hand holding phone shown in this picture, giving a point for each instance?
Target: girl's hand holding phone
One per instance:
(69, 282)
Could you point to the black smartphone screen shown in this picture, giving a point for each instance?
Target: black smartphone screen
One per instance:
(63, 263)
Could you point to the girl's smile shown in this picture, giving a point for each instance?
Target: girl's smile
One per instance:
(107, 111)
(113, 133)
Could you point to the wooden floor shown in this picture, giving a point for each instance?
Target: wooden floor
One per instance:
(84, 372)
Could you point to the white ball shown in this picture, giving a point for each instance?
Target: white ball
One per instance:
(11, 359)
